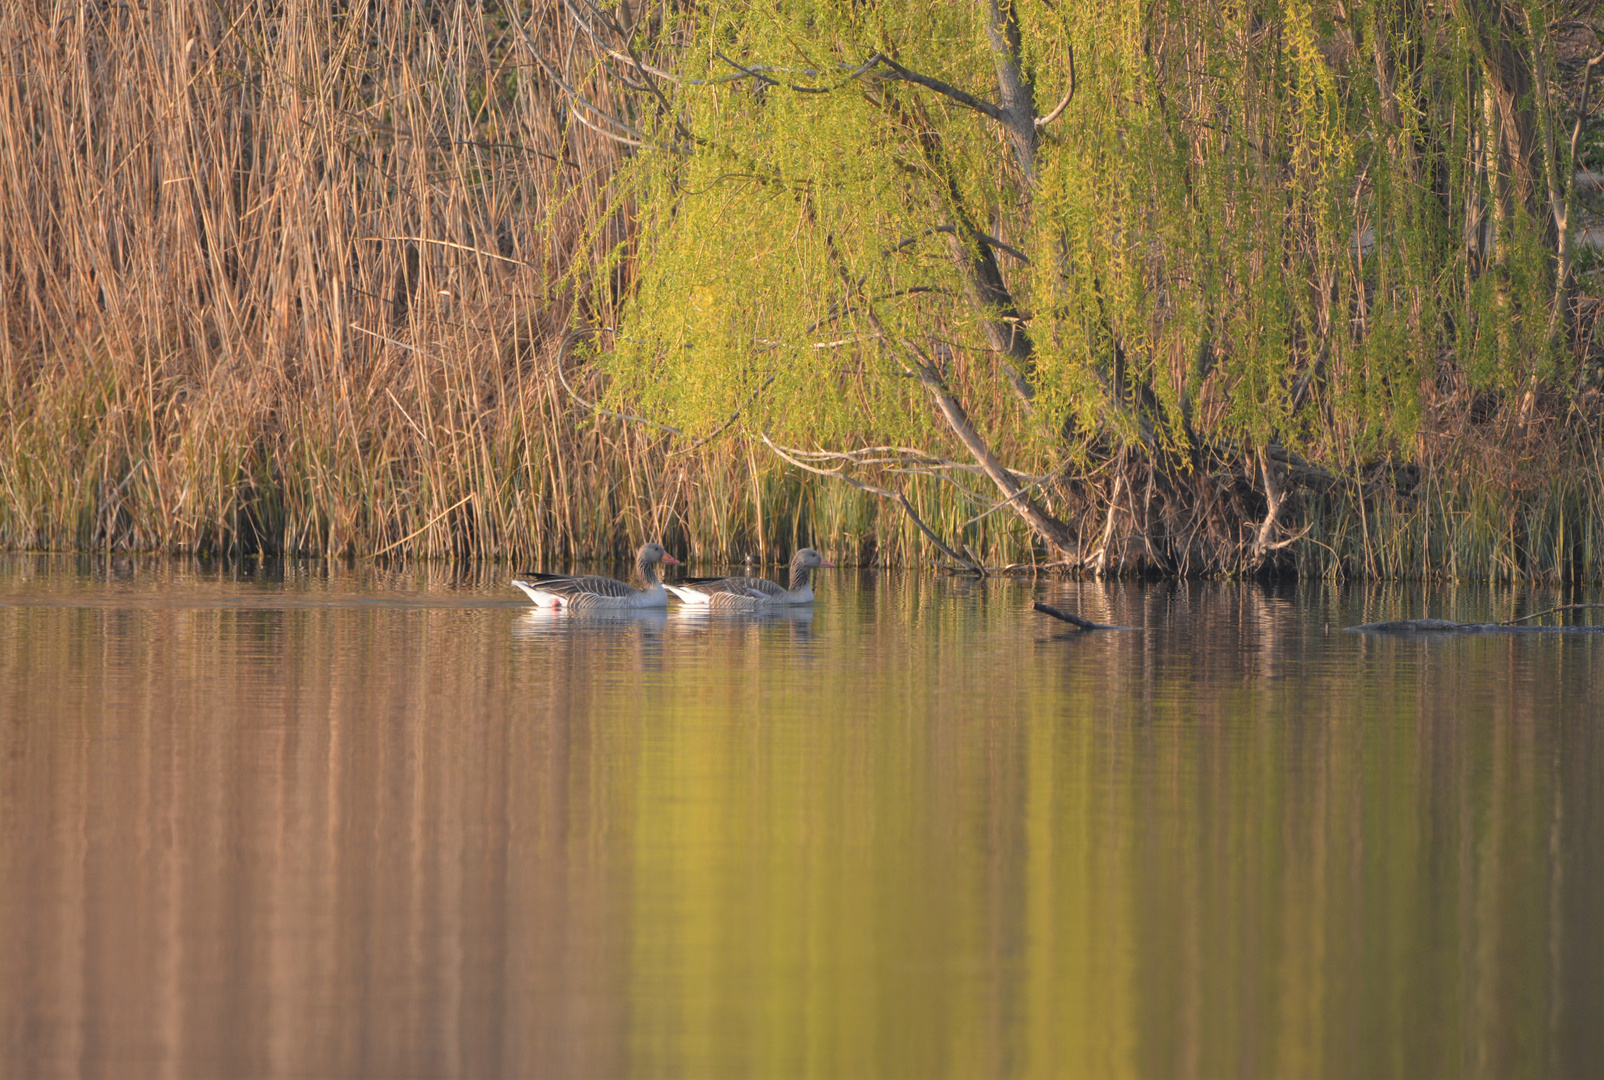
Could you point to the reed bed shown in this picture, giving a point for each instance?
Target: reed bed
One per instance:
(286, 277)
(1484, 502)
(292, 279)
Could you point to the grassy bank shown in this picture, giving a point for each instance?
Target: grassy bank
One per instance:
(295, 280)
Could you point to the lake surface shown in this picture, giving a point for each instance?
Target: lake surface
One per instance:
(315, 820)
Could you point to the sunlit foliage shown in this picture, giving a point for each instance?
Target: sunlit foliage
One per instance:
(1253, 222)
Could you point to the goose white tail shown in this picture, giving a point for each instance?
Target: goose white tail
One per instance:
(541, 599)
(689, 596)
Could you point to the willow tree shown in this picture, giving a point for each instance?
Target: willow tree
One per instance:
(1145, 268)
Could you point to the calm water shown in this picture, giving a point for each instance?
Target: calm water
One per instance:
(316, 821)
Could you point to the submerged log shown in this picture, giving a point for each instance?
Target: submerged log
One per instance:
(1511, 626)
(1409, 627)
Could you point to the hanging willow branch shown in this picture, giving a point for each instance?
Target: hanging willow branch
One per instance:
(562, 357)
(895, 496)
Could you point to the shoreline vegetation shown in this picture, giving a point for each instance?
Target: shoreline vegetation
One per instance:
(980, 285)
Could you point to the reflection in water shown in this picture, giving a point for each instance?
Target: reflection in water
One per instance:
(792, 614)
(308, 821)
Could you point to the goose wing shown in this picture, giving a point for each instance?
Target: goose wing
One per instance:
(757, 588)
(742, 599)
(580, 585)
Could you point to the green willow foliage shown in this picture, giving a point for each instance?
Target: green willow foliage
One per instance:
(1253, 222)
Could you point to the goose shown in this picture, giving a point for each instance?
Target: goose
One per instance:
(753, 594)
(596, 593)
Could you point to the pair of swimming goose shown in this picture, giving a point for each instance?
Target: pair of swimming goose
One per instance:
(594, 593)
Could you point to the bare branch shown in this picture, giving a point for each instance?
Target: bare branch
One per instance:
(655, 72)
(399, 344)
(1005, 502)
(895, 496)
(716, 432)
(903, 459)
(562, 356)
(760, 76)
(1065, 616)
(875, 455)
(648, 72)
(1272, 499)
(1581, 114)
(604, 133)
(989, 241)
(1565, 203)
(448, 244)
(1550, 611)
(1101, 554)
(590, 32)
(1289, 541)
(634, 57)
(1275, 499)
(605, 49)
(919, 366)
(1043, 121)
(770, 344)
(579, 99)
(857, 72)
(638, 87)
(962, 97)
(761, 72)
(841, 313)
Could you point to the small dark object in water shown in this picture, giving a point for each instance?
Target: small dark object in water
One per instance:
(1084, 624)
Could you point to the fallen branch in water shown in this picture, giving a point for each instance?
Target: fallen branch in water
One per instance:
(1075, 620)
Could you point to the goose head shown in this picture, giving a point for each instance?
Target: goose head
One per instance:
(647, 558)
(653, 552)
(803, 562)
(811, 560)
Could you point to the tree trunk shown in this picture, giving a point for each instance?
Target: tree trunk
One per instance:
(1057, 535)
(1018, 96)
